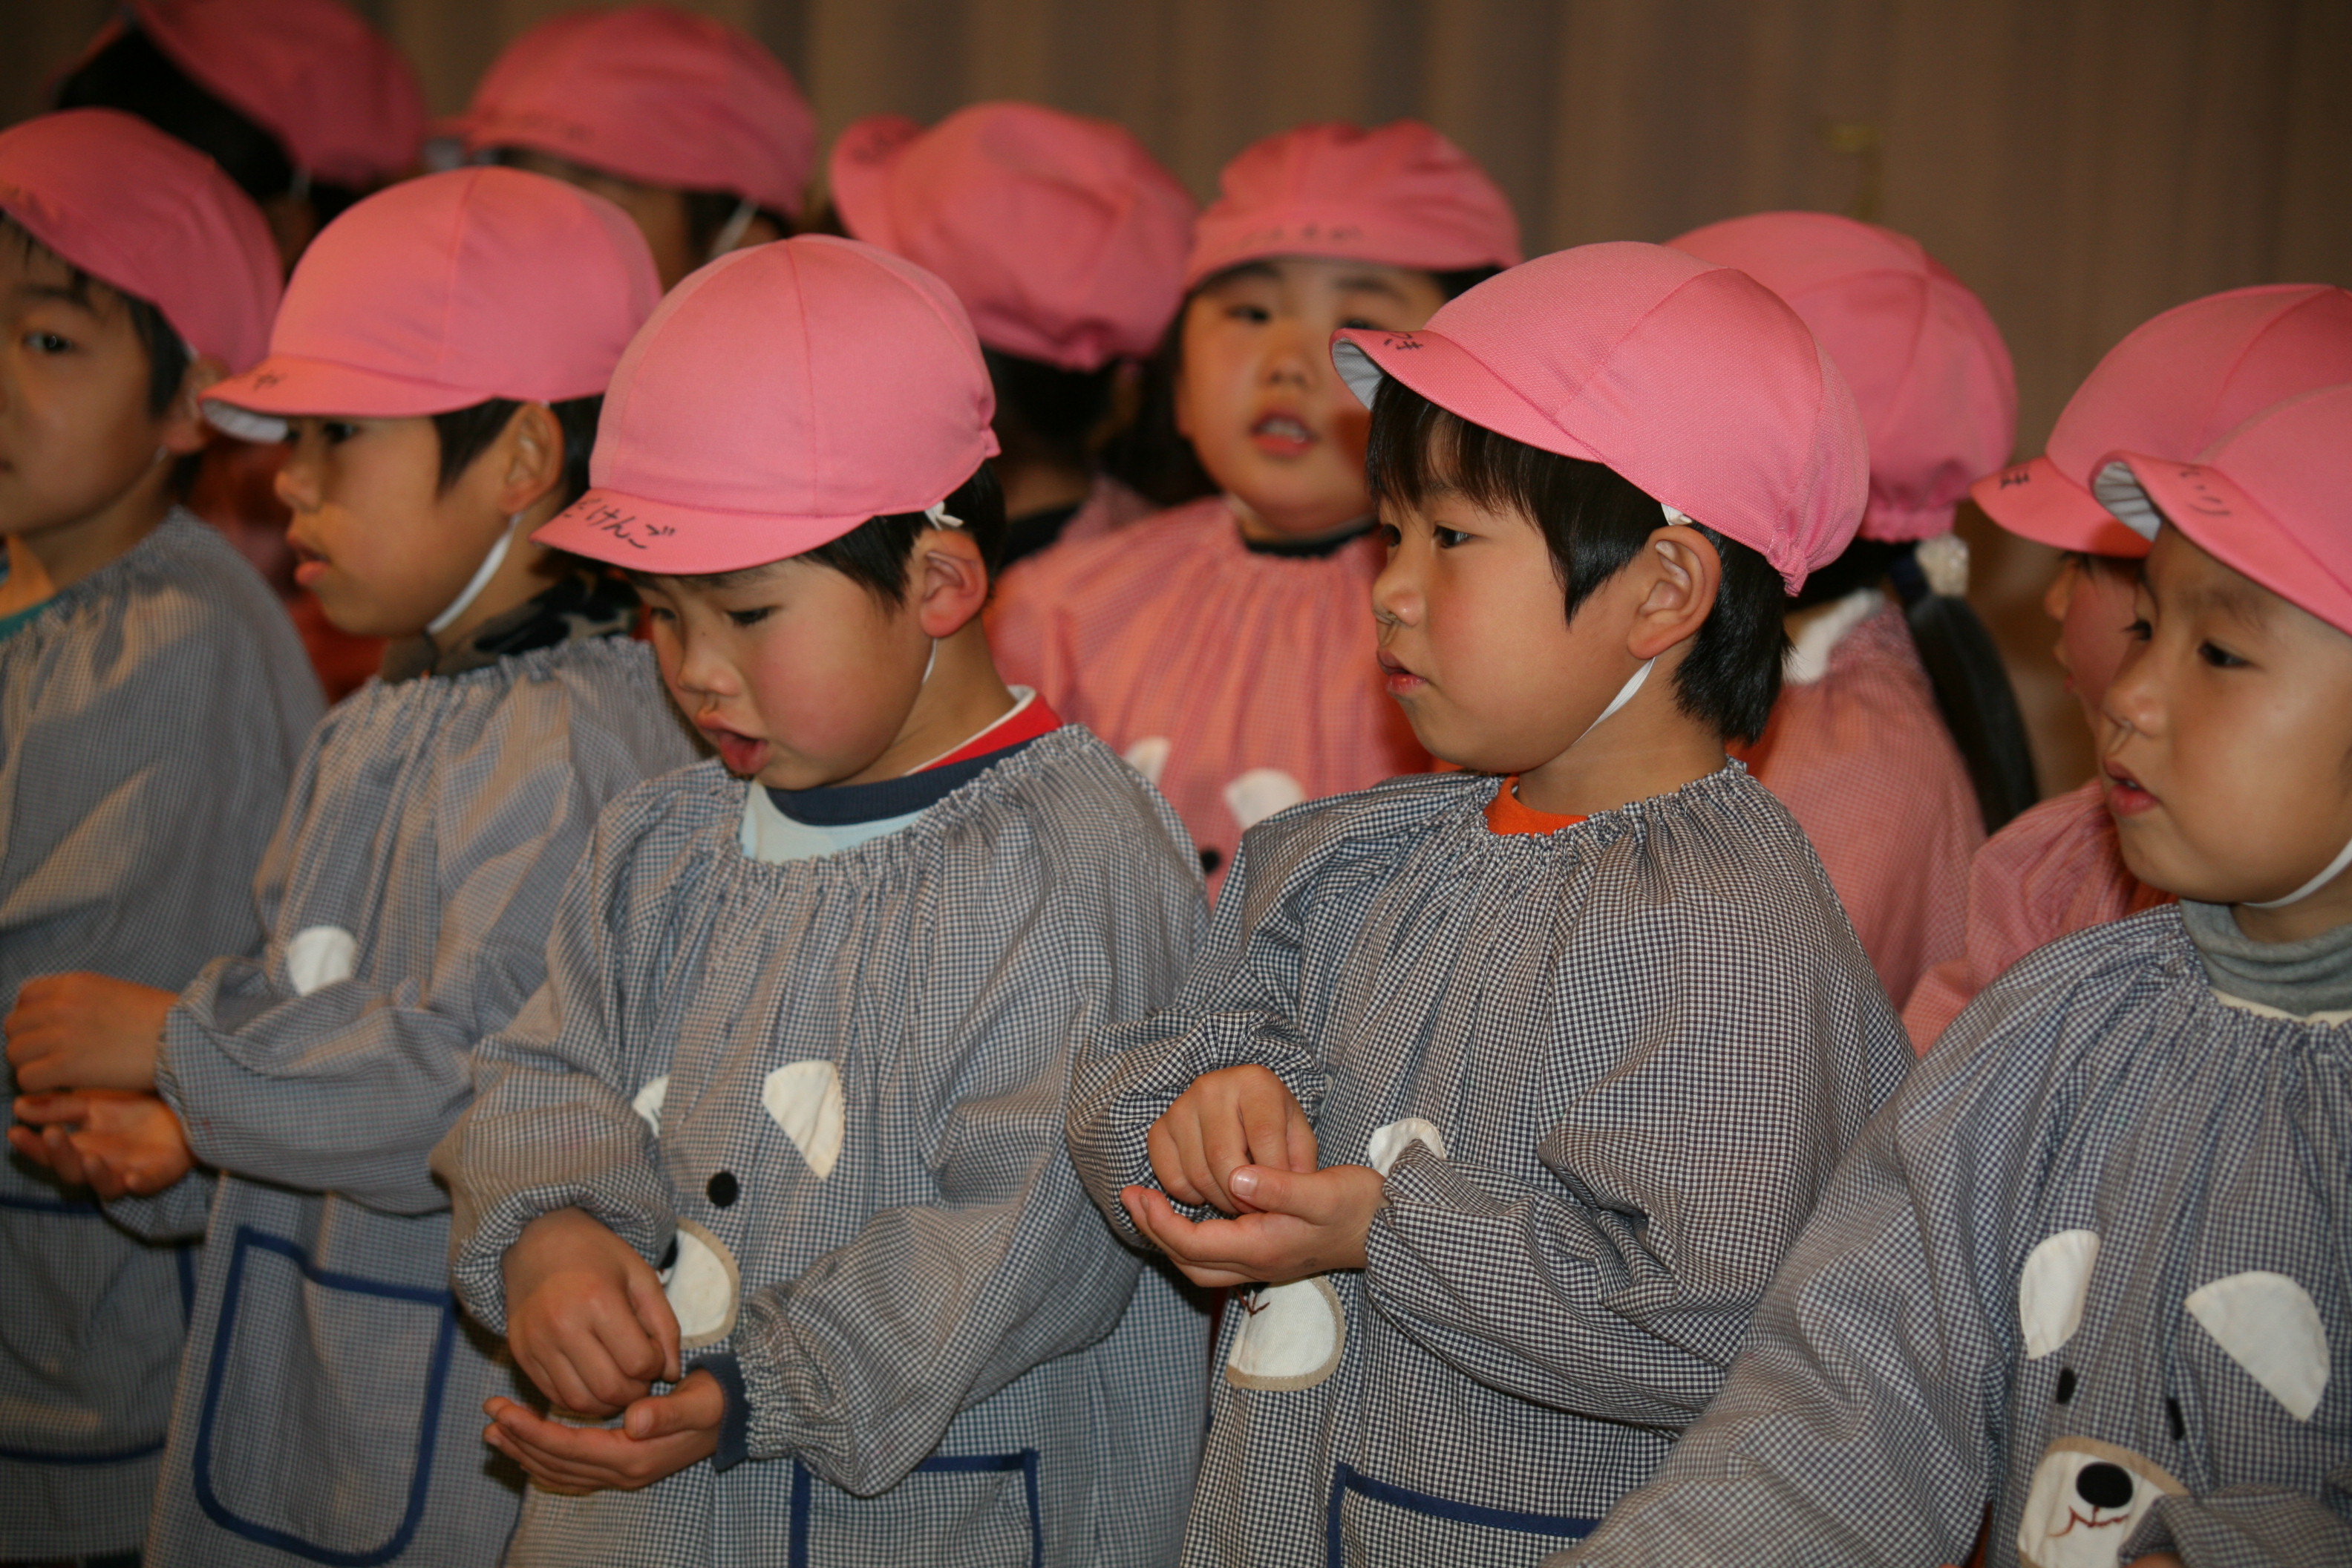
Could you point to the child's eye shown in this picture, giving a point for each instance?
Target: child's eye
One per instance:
(656, 613)
(1447, 537)
(48, 343)
(337, 431)
(1357, 324)
(749, 617)
(2139, 630)
(1257, 315)
(1389, 534)
(2219, 658)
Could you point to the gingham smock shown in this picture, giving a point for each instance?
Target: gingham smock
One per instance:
(149, 718)
(857, 1065)
(1642, 1042)
(329, 1406)
(2107, 1223)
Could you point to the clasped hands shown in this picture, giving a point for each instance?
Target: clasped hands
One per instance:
(83, 1047)
(1238, 1142)
(589, 1325)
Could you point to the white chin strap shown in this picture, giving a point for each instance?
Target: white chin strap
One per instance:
(2335, 868)
(481, 580)
(731, 231)
(1632, 687)
(938, 515)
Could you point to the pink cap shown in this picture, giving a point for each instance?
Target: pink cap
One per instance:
(1693, 381)
(2171, 388)
(1926, 366)
(1399, 194)
(341, 100)
(1062, 236)
(780, 397)
(654, 95)
(2272, 500)
(147, 214)
(447, 291)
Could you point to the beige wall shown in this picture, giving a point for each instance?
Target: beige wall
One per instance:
(2082, 164)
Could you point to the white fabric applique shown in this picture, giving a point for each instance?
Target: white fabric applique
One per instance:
(321, 957)
(805, 1100)
(1291, 1338)
(1382, 1148)
(2269, 1325)
(648, 1102)
(1260, 793)
(2087, 1498)
(1809, 650)
(704, 1287)
(1149, 756)
(2051, 1289)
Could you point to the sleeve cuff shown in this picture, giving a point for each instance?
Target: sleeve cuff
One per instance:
(735, 1426)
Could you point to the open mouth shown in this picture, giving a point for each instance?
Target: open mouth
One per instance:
(2127, 796)
(310, 565)
(1282, 435)
(741, 753)
(1399, 680)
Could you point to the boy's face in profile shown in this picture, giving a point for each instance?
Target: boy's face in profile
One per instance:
(2091, 600)
(1474, 639)
(2229, 754)
(74, 432)
(798, 676)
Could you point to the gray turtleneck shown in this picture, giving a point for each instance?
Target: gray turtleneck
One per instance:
(2300, 978)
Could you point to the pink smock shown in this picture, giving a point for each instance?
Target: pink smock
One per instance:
(1239, 682)
(2054, 872)
(1863, 760)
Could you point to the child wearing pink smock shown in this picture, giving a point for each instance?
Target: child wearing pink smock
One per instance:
(1226, 647)
(2172, 388)
(1895, 765)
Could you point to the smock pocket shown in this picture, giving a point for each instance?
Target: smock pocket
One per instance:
(322, 1396)
(974, 1509)
(1373, 1522)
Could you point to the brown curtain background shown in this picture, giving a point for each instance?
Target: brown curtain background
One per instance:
(2081, 164)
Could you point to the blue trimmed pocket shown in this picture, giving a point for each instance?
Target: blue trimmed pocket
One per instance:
(358, 1364)
(982, 1513)
(1419, 1526)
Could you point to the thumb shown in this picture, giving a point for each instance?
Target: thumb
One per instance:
(1297, 1194)
(656, 1416)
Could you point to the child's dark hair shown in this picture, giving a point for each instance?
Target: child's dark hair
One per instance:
(1596, 522)
(1151, 456)
(466, 433)
(1964, 668)
(133, 75)
(167, 356)
(1044, 412)
(708, 214)
(874, 555)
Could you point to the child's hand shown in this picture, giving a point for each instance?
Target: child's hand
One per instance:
(1229, 1118)
(117, 1144)
(86, 1031)
(658, 1438)
(585, 1315)
(1304, 1224)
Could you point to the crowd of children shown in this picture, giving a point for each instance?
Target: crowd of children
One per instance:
(1024, 875)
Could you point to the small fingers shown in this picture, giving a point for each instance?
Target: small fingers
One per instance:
(658, 1319)
(1167, 1165)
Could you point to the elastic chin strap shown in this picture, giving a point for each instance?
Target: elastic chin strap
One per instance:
(938, 515)
(481, 580)
(732, 229)
(1625, 694)
(2335, 868)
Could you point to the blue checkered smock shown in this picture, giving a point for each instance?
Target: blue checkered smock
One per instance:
(329, 1406)
(2092, 1267)
(857, 1065)
(1614, 1067)
(149, 718)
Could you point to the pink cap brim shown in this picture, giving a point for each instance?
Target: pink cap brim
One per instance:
(2232, 528)
(283, 386)
(858, 176)
(1449, 375)
(2035, 500)
(639, 534)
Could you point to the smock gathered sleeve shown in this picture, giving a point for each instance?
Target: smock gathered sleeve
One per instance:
(1238, 1007)
(553, 1125)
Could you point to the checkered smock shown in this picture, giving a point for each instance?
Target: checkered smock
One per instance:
(2056, 870)
(149, 718)
(858, 1066)
(2091, 1266)
(328, 1408)
(1241, 683)
(1642, 1043)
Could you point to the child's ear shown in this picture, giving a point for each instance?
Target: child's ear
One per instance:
(951, 580)
(185, 428)
(533, 453)
(1679, 575)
